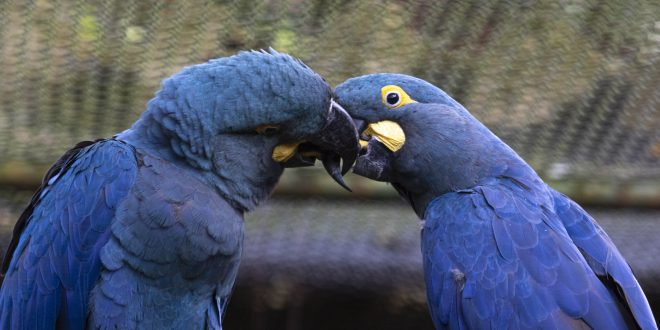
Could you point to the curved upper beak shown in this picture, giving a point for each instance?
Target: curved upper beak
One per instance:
(336, 145)
(338, 140)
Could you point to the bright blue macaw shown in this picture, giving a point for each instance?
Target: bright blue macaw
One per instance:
(145, 229)
(501, 249)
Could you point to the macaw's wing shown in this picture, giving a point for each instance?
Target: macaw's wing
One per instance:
(498, 256)
(53, 260)
(604, 259)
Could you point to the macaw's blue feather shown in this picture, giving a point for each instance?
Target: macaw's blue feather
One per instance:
(161, 268)
(604, 259)
(515, 271)
(55, 264)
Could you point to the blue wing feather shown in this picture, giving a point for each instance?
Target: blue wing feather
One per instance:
(53, 261)
(604, 258)
(513, 253)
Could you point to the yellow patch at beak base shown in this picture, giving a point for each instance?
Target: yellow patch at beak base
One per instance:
(282, 152)
(387, 132)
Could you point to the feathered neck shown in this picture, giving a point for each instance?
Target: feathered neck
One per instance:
(242, 177)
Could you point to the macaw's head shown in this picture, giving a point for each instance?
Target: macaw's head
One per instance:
(417, 137)
(245, 118)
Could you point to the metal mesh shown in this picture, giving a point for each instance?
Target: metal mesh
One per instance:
(572, 84)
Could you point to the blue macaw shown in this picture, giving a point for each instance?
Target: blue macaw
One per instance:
(145, 229)
(500, 248)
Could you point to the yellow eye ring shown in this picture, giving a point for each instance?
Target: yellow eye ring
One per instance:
(394, 96)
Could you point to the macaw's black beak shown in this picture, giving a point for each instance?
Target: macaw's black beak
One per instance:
(336, 145)
(338, 140)
(374, 161)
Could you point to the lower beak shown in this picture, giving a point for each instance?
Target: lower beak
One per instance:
(375, 161)
(336, 143)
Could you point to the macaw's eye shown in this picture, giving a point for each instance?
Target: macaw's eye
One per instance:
(394, 96)
(393, 99)
(268, 129)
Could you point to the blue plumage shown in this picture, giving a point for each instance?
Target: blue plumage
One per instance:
(145, 230)
(57, 253)
(500, 248)
(522, 272)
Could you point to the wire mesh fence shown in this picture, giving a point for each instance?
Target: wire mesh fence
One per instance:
(572, 85)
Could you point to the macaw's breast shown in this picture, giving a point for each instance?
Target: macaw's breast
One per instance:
(173, 254)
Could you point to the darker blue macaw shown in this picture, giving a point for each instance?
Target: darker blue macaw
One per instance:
(501, 249)
(145, 229)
